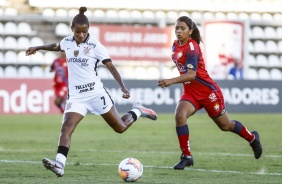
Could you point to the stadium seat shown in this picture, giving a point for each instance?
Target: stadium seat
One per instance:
(172, 15)
(37, 72)
(127, 72)
(261, 60)
(257, 32)
(10, 42)
(135, 14)
(37, 58)
(271, 46)
(47, 73)
(255, 17)
(251, 60)
(259, 46)
(166, 72)
(1, 57)
(22, 58)
(1, 12)
(147, 14)
(252, 74)
(267, 17)
(220, 16)
(62, 29)
(243, 16)
(10, 72)
(99, 13)
(269, 32)
(36, 41)
(263, 74)
(10, 12)
(275, 74)
(23, 72)
(232, 16)
(124, 14)
(1, 28)
(160, 14)
(23, 43)
(112, 14)
(10, 28)
(251, 47)
(10, 57)
(140, 73)
(274, 60)
(1, 43)
(24, 29)
(61, 13)
(279, 45)
(1, 72)
(197, 16)
(48, 12)
(184, 13)
(72, 13)
(49, 57)
(153, 73)
(279, 32)
(277, 17)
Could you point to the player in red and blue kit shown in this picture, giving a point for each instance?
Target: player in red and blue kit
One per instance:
(60, 81)
(200, 91)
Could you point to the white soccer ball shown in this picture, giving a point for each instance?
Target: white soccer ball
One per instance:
(130, 169)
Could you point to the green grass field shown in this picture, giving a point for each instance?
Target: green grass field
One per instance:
(96, 150)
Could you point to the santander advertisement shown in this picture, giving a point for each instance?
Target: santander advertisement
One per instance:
(32, 96)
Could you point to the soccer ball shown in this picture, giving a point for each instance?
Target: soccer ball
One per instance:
(130, 169)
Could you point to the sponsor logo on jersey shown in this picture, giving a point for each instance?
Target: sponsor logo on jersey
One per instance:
(82, 61)
(216, 107)
(75, 53)
(93, 45)
(85, 87)
(191, 46)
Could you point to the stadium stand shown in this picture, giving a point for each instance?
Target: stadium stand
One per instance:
(264, 48)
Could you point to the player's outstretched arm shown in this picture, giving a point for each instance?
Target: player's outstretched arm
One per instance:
(117, 77)
(49, 47)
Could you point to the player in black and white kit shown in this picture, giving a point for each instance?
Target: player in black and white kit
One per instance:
(86, 91)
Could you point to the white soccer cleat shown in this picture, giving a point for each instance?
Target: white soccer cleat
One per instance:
(54, 166)
(145, 112)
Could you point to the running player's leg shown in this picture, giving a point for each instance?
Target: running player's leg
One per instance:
(225, 124)
(184, 110)
(73, 115)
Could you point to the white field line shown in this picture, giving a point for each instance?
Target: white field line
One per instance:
(136, 151)
(156, 167)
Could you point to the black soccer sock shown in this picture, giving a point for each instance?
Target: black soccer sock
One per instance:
(63, 150)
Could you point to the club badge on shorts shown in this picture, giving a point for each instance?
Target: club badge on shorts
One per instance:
(75, 53)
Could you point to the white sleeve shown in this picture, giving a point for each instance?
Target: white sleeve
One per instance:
(62, 44)
(101, 52)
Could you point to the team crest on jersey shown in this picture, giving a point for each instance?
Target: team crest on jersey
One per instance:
(179, 55)
(212, 97)
(216, 107)
(86, 50)
(75, 53)
(68, 106)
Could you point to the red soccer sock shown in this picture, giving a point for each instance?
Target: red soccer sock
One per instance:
(183, 138)
(243, 132)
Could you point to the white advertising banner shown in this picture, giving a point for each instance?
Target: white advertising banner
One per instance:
(223, 48)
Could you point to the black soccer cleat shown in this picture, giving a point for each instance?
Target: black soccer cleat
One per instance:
(184, 162)
(256, 146)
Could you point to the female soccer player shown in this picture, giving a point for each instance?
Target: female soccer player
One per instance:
(200, 91)
(86, 91)
(60, 81)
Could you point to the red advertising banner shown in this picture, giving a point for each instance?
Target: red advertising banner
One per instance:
(129, 43)
(27, 96)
